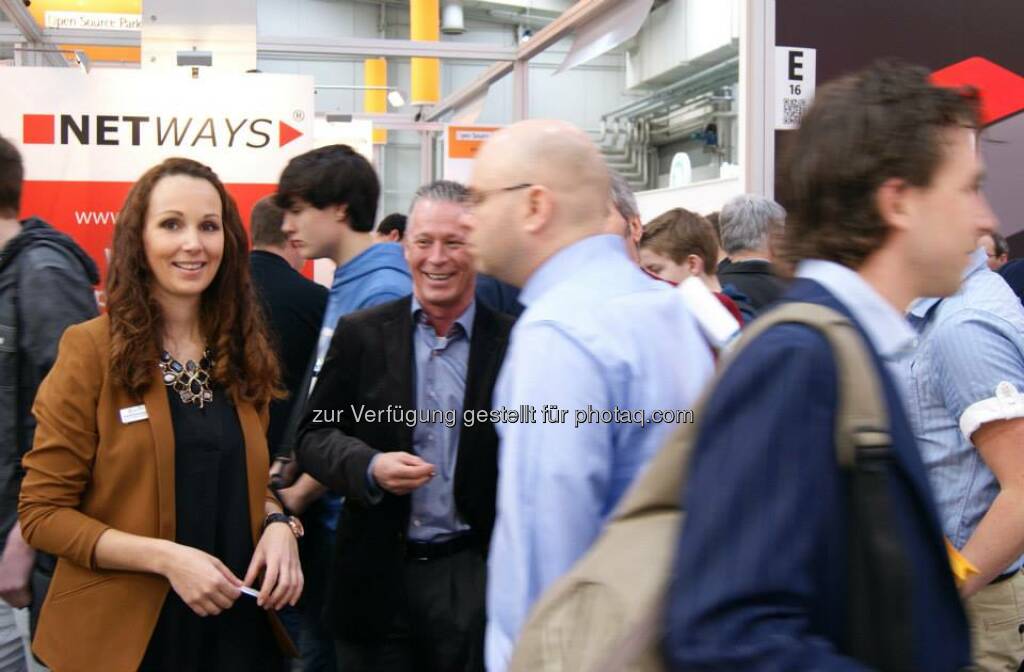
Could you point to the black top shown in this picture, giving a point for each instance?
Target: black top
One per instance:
(756, 279)
(212, 507)
(294, 308)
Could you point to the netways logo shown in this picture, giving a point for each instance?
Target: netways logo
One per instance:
(109, 129)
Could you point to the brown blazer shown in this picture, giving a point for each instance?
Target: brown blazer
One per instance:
(89, 471)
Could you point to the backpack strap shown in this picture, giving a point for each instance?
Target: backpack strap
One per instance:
(879, 624)
(862, 420)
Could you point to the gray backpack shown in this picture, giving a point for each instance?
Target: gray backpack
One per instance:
(606, 614)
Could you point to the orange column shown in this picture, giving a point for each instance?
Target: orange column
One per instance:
(425, 25)
(375, 101)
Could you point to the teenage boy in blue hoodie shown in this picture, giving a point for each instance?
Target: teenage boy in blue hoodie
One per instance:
(330, 196)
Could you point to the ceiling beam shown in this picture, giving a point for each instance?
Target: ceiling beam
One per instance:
(268, 46)
(547, 7)
(30, 32)
(576, 16)
(580, 13)
(466, 94)
(272, 46)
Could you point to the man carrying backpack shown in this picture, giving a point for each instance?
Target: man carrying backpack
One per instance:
(785, 560)
(45, 286)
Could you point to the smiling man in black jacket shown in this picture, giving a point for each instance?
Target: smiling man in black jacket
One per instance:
(394, 425)
(46, 285)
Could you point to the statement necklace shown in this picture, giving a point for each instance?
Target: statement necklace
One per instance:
(191, 381)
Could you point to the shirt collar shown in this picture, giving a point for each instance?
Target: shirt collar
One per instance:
(563, 264)
(888, 330)
(920, 308)
(465, 320)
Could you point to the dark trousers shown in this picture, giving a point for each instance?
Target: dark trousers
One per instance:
(316, 643)
(439, 629)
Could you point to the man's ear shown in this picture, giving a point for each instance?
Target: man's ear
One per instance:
(340, 213)
(540, 207)
(894, 203)
(636, 229)
(695, 265)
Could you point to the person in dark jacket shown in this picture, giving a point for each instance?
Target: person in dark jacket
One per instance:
(419, 468)
(884, 207)
(294, 306)
(46, 285)
(749, 224)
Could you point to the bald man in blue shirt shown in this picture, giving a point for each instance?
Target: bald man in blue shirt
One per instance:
(601, 352)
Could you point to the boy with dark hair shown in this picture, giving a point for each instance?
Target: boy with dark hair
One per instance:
(329, 196)
(391, 228)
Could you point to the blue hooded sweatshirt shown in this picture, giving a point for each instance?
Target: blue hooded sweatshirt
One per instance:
(377, 275)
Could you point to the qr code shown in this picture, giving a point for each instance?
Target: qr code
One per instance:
(793, 110)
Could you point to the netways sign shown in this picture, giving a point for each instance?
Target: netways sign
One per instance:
(136, 130)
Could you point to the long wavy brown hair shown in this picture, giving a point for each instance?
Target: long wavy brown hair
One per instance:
(230, 317)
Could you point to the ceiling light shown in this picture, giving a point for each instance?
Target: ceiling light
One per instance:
(395, 98)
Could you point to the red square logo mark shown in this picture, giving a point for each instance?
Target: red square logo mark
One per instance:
(37, 129)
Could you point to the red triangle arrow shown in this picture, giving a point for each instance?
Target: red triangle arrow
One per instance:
(286, 133)
(1001, 90)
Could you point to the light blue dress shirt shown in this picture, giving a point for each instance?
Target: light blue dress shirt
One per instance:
(967, 371)
(441, 365)
(597, 335)
(888, 330)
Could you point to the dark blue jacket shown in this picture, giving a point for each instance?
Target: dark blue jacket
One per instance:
(294, 309)
(760, 576)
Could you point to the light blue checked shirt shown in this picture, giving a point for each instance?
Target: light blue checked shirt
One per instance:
(597, 334)
(967, 371)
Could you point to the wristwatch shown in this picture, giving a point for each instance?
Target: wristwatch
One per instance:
(291, 521)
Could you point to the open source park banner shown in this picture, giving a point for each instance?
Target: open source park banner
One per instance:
(86, 137)
(960, 41)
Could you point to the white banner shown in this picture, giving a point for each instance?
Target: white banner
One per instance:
(112, 125)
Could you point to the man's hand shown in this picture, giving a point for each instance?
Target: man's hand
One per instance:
(401, 473)
(16, 569)
(283, 472)
(298, 497)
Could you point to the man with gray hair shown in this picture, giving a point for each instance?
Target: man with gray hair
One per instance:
(400, 425)
(749, 224)
(624, 215)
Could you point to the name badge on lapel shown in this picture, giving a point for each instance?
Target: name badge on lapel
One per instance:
(133, 414)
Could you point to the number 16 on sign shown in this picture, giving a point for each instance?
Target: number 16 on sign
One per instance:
(795, 79)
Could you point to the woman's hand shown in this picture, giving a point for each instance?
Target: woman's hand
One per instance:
(201, 580)
(277, 556)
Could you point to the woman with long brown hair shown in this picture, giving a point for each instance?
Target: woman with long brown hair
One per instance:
(148, 478)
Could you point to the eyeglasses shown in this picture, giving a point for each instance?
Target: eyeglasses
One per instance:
(476, 197)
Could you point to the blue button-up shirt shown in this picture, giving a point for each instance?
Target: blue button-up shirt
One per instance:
(888, 330)
(441, 365)
(598, 335)
(966, 372)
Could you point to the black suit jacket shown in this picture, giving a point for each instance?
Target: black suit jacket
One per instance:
(370, 365)
(754, 278)
(294, 307)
